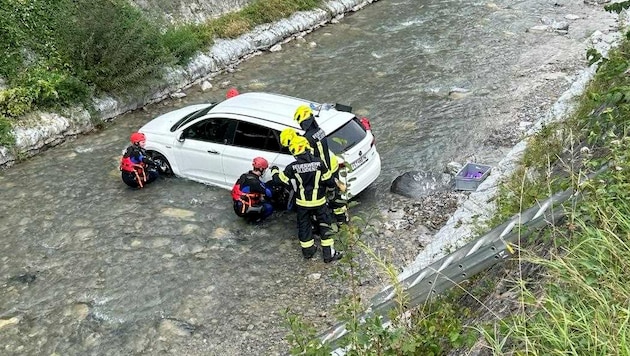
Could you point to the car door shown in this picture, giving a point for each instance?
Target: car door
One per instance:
(250, 140)
(199, 149)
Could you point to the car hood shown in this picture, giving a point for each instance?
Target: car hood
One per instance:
(163, 123)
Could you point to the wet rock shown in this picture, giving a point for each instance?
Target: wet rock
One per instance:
(452, 168)
(176, 327)
(78, 311)
(539, 28)
(275, 48)
(189, 229)
(205, 86)
(195, 201)
(177, 213)
(256, 85)
(458, 93)
(160, 242)
(417, 184)
(560, 26)
(7, 322)
(196, 249)
(85, 234)
(221, 233)
(178, 95)
(26, 278)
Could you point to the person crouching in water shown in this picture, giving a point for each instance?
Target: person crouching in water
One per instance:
(312, 177)
(250, 195)
(138, 169)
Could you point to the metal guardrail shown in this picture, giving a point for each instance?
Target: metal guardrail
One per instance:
(472, 258)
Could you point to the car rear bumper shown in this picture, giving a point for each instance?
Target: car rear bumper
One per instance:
(367, 176)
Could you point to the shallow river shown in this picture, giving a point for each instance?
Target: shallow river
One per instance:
(88, 266)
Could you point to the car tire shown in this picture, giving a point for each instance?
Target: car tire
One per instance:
(164, 167)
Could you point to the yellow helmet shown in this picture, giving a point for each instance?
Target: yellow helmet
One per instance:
(302, 113)
(298, 145)
(286, 136)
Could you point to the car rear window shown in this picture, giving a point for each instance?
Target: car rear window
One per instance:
(346, 136)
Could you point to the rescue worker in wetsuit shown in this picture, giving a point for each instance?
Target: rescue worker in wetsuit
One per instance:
(309, 172)
(250, 195)
(317, 139)
(138, 169)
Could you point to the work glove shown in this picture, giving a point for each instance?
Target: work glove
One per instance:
(342, 187)
(275, 170)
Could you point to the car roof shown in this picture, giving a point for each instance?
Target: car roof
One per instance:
(276, 108)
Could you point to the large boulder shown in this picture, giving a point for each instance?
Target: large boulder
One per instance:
(418, 184)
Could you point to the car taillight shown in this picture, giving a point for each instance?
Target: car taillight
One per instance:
(366, 123)
(368, 126)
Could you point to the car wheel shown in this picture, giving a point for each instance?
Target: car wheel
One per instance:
(164, 167)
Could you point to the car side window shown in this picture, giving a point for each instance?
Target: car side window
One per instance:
(255, 136)
(211, 130)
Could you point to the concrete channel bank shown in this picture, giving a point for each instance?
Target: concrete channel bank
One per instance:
(41, 130)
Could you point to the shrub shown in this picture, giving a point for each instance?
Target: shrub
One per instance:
(110, 44)
(6, 132)
(183, 42)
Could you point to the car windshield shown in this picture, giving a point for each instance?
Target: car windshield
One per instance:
(188, 118)
(346, 136)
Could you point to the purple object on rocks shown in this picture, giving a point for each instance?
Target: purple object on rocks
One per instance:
(474, 175)
(471, 175)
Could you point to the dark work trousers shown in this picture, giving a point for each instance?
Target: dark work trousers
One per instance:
(131, 179)
(305, 233)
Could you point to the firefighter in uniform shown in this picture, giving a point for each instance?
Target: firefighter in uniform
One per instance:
(250, 195)
(317, 139)
(309, 172)
(138, 169)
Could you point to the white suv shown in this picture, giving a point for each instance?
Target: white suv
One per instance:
(216, 143)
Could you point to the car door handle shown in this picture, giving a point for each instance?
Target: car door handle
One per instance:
(213, 152)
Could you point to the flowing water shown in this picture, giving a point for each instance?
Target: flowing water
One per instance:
(89, 266)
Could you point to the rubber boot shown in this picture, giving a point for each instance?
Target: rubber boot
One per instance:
(309, 252)
(331, 255)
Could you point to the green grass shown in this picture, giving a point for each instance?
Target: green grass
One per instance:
(581, 306)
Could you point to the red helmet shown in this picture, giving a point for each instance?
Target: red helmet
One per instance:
(260, 163)
(137, 137)
(232, 92)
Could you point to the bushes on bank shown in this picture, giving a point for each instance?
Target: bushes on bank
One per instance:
(58, 53)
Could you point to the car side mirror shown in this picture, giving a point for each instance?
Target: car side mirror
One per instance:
(181, 137)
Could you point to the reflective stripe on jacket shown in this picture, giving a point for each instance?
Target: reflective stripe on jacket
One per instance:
(312, 177)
